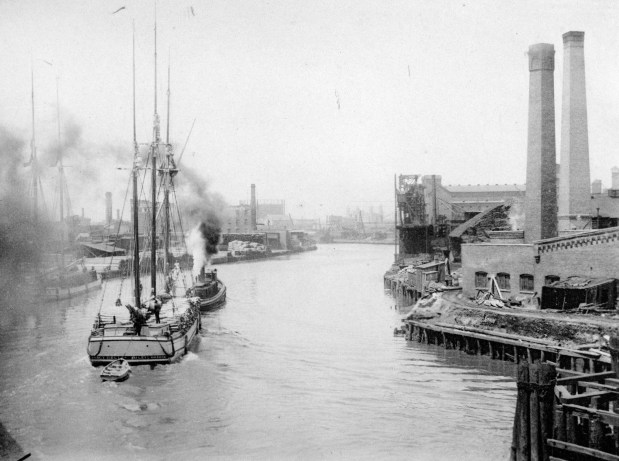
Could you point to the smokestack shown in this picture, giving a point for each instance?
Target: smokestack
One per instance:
(615, 178)
(254, 225)
(574, 184)
(117, 214)
(82, 212)
(108, 208)
(596, 186)
(541, 195)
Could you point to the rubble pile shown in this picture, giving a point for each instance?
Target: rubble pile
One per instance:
(563, 329)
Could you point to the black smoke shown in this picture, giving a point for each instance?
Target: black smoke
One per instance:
(201, 210)
(210, 230)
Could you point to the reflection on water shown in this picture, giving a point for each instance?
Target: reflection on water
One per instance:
(300, 363)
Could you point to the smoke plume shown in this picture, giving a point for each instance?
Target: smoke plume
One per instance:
(202, 211)
(203, 241)
(516, 215)
(18, 235)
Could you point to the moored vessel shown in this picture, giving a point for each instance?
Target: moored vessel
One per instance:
(161, 328)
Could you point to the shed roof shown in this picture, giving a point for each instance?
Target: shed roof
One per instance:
(486, 188)
(103, 248)
(580, 283)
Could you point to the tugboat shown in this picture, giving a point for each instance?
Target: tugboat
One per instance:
(143, 339)
(210, 290)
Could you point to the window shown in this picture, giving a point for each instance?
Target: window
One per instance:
(550, 279)
(526, 283)
(503, 280)
(481, 279)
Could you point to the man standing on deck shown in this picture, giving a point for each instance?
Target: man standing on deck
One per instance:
(154, 305)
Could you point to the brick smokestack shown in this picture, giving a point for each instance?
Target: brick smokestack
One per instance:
(541, 196)
(574, 185)
(252, 205)
(108, 208)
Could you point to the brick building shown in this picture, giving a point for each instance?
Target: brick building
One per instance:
(523, 269)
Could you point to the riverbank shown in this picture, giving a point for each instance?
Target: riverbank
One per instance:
(363, 242)
(562, 330)
(256, 256)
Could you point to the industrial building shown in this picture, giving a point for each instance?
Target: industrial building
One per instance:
(557, 243)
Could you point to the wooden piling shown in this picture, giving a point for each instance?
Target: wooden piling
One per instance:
(534, 410)
(547, 379)
(596, 428)
(524, 443)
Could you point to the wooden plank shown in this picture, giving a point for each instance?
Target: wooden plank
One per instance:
(577, 399)
(577, 449)
(496, 333)
(488, 337)
(562, 391)
(586, 377)
(567, 373)
(599, 386)
(605, 416)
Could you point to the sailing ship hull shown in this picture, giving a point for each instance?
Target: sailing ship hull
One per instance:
(215, 301)
(58, 293)
(141, 350)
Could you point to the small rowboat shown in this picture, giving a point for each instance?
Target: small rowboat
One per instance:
(118, 370)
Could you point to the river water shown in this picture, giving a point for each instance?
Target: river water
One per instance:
(301, 363)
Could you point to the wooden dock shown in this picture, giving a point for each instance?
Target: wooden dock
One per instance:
(568, 399)
(504, 346)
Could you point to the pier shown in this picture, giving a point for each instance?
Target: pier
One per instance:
(568, 399)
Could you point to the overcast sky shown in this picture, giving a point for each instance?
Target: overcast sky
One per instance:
(319, 103)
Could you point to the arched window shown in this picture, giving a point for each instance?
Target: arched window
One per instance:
(481, 279)
(502, 279)
(550, 279)
(527, 282)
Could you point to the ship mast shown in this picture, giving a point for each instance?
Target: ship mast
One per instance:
(60, 176)
(33, 159)
(166, 197)
(136, 241)
(154, 152)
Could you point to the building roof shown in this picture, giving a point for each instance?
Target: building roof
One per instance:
(579, 283)
(430, 265)
(486, 188)
(604, 205)
(103, 248)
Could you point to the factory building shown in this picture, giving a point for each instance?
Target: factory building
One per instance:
(557, 243)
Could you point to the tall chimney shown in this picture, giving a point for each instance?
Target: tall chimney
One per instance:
(615, 178)
(541, 195)
(254, 225)
(574, 184)
(82, 212)
(117, 214)
(108, 207)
